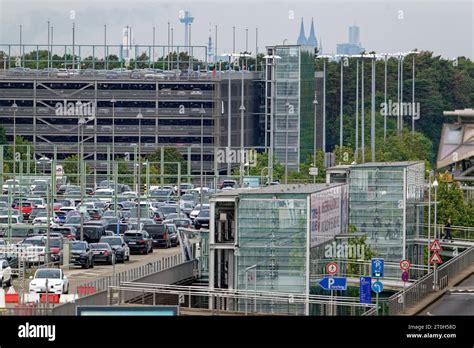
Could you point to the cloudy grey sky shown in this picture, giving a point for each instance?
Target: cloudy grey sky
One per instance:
(445, 27)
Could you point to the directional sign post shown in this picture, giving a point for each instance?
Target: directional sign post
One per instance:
(333, 283)
(365, 291)
(435, 259)
(377, 287)
(377, 268)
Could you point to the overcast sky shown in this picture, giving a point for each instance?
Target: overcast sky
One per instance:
(445, 27)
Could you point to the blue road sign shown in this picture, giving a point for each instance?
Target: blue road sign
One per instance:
(365, 293)
(377, 287)
(377, 268)
(333, 283)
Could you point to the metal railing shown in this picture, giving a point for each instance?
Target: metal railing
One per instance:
(430, 283)
(236, 301)
(460, 233)
(129, 275)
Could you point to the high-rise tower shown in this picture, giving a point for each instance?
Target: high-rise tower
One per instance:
(186, 18)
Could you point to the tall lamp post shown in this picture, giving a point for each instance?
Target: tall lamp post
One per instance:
(15, 109)
(139, 117)
(435, 275)
(113, 101)
(201, 112)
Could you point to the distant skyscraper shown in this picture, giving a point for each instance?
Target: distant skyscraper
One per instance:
(302, 38)
(312, 41)
(210, 48)
(127, 43)
(354, 45)
(354, 37)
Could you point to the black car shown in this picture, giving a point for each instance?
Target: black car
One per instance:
(202, 220)
(138, 241)
(122, 251)
(173, 234)
(103, 253)
(159, 233)
(92, 233)
(81, 254)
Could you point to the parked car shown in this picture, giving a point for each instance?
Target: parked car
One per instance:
(55, 279)
(139, 241)
(122, 250)
(197, 209)
(81, 254)
(159, 234)
(68, 232)
(202, 220)
(5, 273)
(103, 253)
(181, 222)
(92, 233)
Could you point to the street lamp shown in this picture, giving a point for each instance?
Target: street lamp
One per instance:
(435, 275)
(201, 112)
(429, 216)
(229, 113)
(324, 57)
(113, 101)
(139, 117)
(435, 185)
(315, 103)
(15, 109)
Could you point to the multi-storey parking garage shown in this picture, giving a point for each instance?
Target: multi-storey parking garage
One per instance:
(183, 113)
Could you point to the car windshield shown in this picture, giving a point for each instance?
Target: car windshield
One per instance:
(37, 242)
(48, 273)
(78, 246)
(160, 193)
(204, 213)
(168, 210)
(73, 220)
(111, 241)
(55, 243)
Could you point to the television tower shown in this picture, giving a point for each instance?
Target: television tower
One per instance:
(186, 18)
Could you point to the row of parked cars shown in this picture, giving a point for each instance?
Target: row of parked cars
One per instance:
(116, 73)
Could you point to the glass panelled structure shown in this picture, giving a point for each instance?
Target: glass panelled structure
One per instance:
(384, 200)
(293, 109)
(273, 236)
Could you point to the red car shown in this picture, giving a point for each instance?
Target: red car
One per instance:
(25, 208)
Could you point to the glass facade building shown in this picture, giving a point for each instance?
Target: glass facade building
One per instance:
(385, 204)
(294, 109)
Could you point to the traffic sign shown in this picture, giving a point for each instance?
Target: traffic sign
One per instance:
(405, 265)
(377, 268)
(377, 287)
(331, 268)
(365, 293)
(435, 246)
(313, 171)
(333, 283)
(405, 276)
(435, 258)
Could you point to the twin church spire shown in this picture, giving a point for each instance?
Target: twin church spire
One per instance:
(311, 40)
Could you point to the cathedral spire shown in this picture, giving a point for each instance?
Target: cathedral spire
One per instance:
(312, 41)
(302, 38)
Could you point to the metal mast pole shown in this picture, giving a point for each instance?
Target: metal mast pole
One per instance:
(413, 98)
(357, 114)
(362, 105)
(324, 105)
(372, 118)
(229, 119)
(341, 120)
(385, 100)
